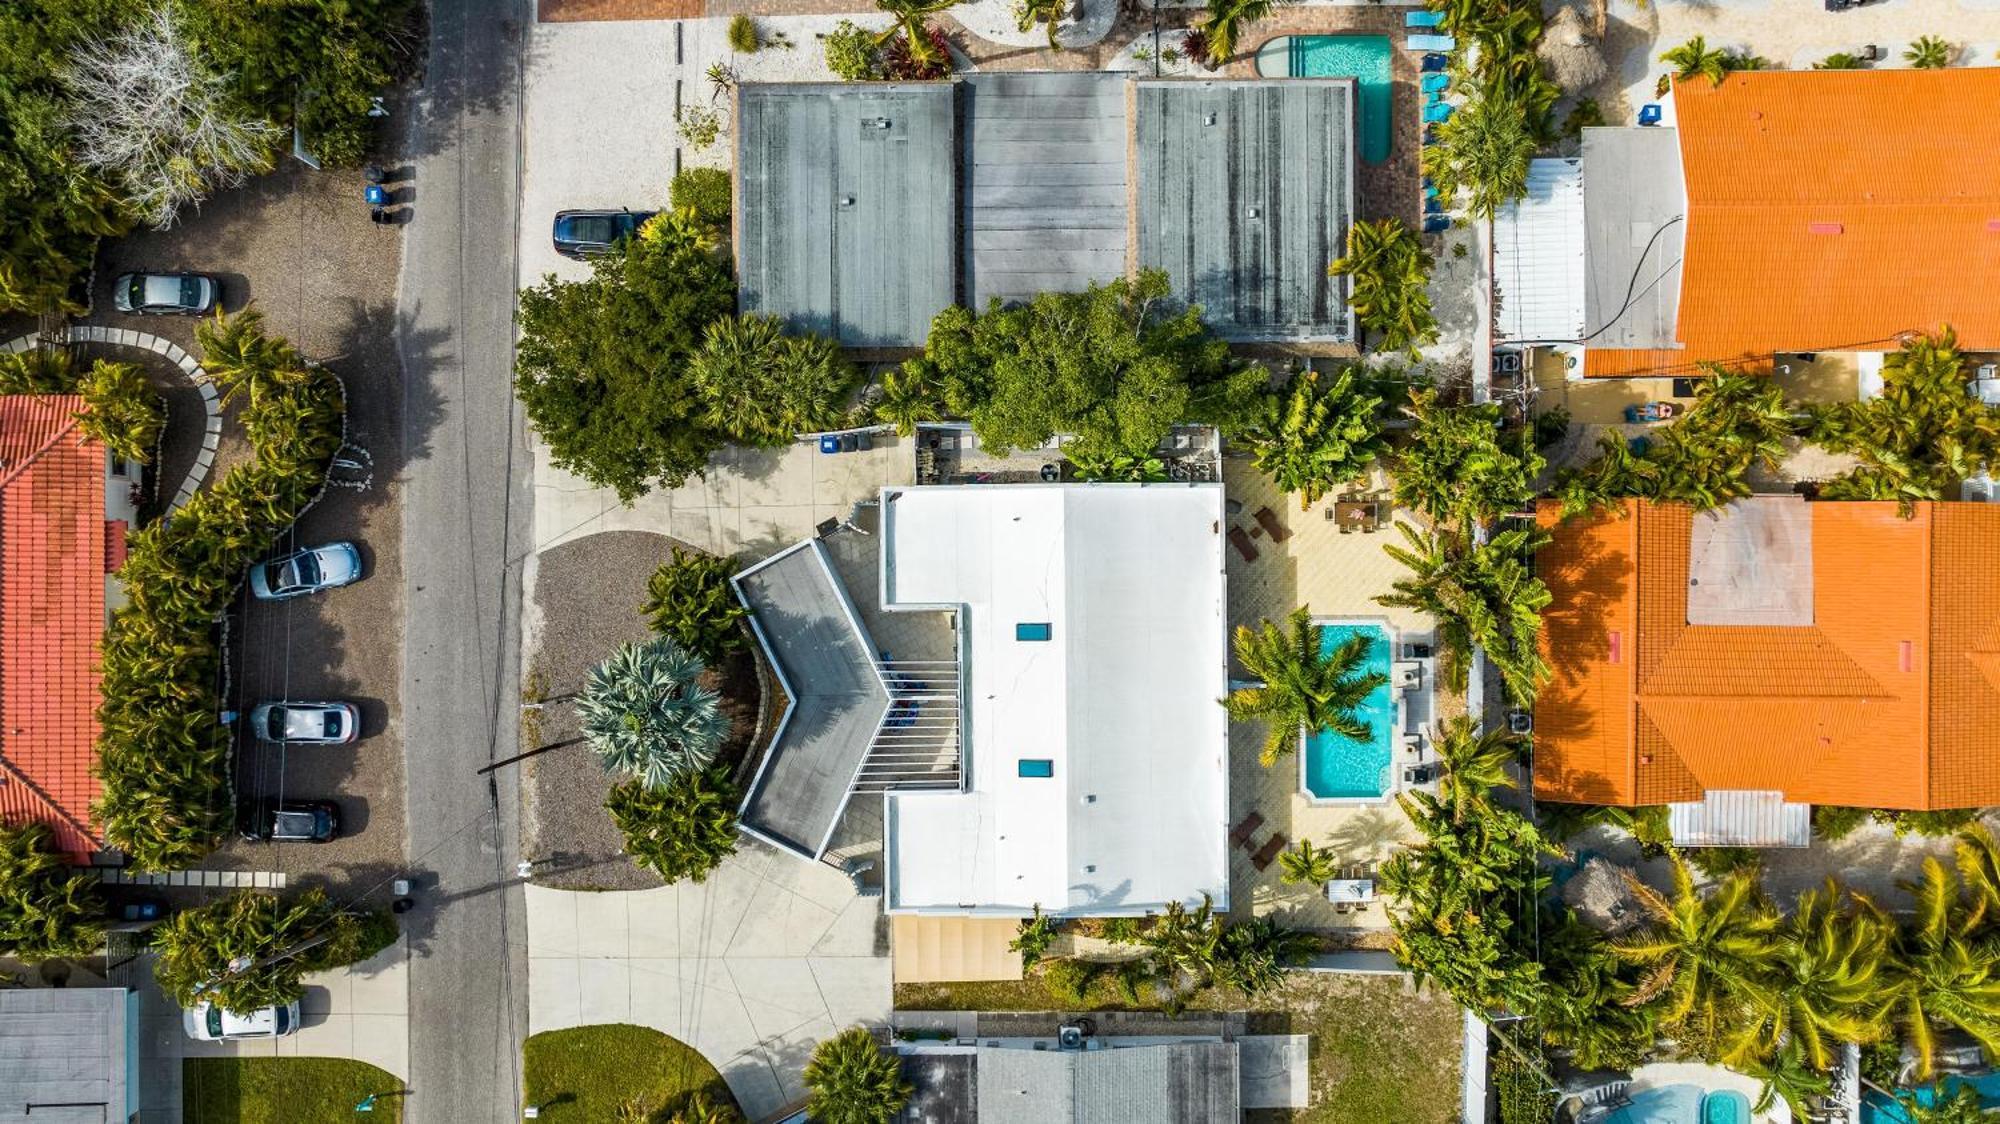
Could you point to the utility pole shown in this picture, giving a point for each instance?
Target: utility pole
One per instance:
(240, 964)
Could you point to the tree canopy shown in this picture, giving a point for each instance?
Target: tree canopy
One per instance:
(1314, 435)
(1457, 467)
(251, 949)
(1918, 439)
(647, 716)
(1389, 274)
(682, 830)
(1304, 687)
(48, 908)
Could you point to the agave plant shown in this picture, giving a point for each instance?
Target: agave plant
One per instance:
(1929, 52)
(1389, 272)
(1314, 436)
(1303, 689)
(647, 716)
(851, 1080)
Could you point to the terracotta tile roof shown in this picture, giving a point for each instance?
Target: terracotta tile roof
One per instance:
(1890, 698)
(1830, 210)
(52, 555)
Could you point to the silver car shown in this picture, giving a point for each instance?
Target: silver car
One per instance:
(189, 294)
(206, 1022)
(306, 571)
(305, 723)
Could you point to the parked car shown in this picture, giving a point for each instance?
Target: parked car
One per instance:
(292, 821)
(189, 294)
(305, 723)
(589, 234)
(206, 1022)
(306, 571)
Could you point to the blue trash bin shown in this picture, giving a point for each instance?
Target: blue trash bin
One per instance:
(829, 443)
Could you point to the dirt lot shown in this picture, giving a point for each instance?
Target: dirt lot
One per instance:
(298, 245)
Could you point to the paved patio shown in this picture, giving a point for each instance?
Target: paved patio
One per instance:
(752, 968)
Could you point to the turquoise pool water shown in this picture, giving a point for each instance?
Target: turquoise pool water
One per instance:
(1878, 1109)
(1364, 58)
(1338, 767)
(1683, 1104)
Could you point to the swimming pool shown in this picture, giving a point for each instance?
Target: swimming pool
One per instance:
(1878, 1109)
(1335, 767)
(1364, 58)
(1683, 1104)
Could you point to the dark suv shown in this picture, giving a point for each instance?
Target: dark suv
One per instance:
(291, 821)
(589, 234)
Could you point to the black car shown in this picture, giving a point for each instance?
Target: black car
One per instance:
(291, 821)
(587, 234)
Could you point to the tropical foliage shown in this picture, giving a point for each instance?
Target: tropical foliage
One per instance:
(1307, 864)
(705, 191)
(1947, 962)
(1703, 458)
(1920, 437)
(913, 47)
(48, 908)
(1037, 932)
(681, 830)
(162, 751)
(1389, 275)
(1485, 148)
(762, 386)
(1696, 59)
(122, 412)
(1314, 436)
(1457, 467)
(1475, 763)
(1048, 14)
(910, 397)
(1225, 23)
(689, 599)
(1114, 367)
(851, 1080)
(1304, 687)
(1482, 594)
(647, 715)
(1930, 52)
(602, 367)
(1195, 948)
(250, 949)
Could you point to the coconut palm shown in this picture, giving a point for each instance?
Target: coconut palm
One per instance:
(909, 397)
(1313, 436)
(851, 1080)
(1703, 955)
(1929, 52)
(1486, 147)
(1475, 763)
(1695, 58)
(1920, 437)
(1048, 13)
(1828, 982)
(48, 908)
(1482, 595)
(1389, 272)
(913, 24)
(1944, 974)
(1307, 864)
(1225, 22)
(1977, 854)
(1304, 687)
(646, 715)
(1790, 1078)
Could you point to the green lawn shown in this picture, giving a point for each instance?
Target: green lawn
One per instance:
(285, 1091)
(583, 1074)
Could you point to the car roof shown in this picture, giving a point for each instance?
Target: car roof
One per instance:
(162, 288)
(304, 719)
(256, 1022)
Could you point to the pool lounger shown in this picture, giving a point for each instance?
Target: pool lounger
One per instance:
(1433, 83)
(1423, 19)
(1435, 62)
(1437, 113)
(1436, 224)
(1430, 43)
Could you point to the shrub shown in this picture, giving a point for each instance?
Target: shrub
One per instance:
(910, 397)
(705, 191)
(743, 35)
(1947, 821)
(1840, 60)
(700, 125)
(1585, 114)
(681, 831)
(1551, 426)
(852, 1081)
(851, 53)
(1067, 981)
(1121, 930)
(647, 716)
(201, 951)
(1721, 862)
(1930, 52)
(1037, 933)
(47, 907)
(1521, 1095)
(122, 412)
(689, 599)
(901, 63)
(1194, 44)
(761, 386)
(1833, 823)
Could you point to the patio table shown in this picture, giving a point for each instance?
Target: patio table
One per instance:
(1363, 514)
(1356, 890)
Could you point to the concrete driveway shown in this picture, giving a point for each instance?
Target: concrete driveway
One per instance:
(753, 967)
(360, 1012)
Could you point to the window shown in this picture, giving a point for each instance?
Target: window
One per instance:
(119, 468)
(1036, 767)
(1038, 630)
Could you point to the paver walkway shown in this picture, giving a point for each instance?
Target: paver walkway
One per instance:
(753, 967)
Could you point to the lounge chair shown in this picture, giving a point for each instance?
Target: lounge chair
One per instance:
(1433, 64)
(1277, 842)
(1241, 542)
(1409, 673)
(1422, 18)
(1430, 43)
(1436, 224)
(1240, 836)
(1268, 519)
(1437, 114)
(1434, 83)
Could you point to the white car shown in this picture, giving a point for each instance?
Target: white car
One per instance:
(189, 294)
(305, 723)
(306, 571)
(205, 1022)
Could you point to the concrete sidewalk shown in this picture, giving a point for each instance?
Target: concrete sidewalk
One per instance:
(753, 967)
(360, 1012)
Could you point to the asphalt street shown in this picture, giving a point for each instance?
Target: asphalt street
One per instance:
(465, 534)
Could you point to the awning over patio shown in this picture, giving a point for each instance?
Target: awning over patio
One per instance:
(1740, 818)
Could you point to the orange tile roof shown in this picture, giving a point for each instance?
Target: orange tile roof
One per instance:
(1890, 698)
(1830, 210)
(52, 555)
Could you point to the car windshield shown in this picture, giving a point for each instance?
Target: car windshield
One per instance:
(190, 291)
(276, 724)
(593, 228)
(138, 293)
(329, 721)
(308, 568)
(215, 1021)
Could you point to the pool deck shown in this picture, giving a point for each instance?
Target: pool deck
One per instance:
(1709, 1078)
(1336, 575)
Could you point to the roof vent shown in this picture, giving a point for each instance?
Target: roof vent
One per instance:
(1823, 227)
(1993, 226)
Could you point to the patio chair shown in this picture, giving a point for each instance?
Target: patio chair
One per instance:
(1268, 519)
(1433, 83)
(1438, 114)
(1430, 43)
(1240, 835)
(1436, 224)
(1241, 542)
(1435, 63)
(1422, 18)
(1276, 843)
(1409, 673)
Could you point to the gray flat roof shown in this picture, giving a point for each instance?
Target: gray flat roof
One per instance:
(67, 1047)
(811, 634)
(845, 205)
(1632, 192)
(1043, 182)
(1246, 191)
(1174, 1083)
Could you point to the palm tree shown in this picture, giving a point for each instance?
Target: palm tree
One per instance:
(1929, 52)
(1959, 1106)
(690, 599)
(1475, 762)
(1828, 983)
(647, 717)
(764, 387)
(1486, 147)
(1389, 271)
(681, 831)
(1977, 854)
(1920, 437)
(1313, 437)
(47, 907)
(1945, 975)
(1048, 13)
(1704, 954)
(913, 24)
(1840, 60)
(1307, 864)
(1226, 20)
(1695, 58)
(909, 398)
(1790, 1078)
(852, 1081)
(1255, 954)
(1187, 944)
(703, 1109)
(1304, 688)
(1480, 595)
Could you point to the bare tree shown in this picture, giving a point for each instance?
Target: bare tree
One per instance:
(148, 112)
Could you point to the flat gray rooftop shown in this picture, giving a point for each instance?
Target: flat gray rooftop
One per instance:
(1043, 182)
(1632, 194)
(845, 206)
(1175, 1083)
(1246, 190)
(810, 632)
(66, 1047)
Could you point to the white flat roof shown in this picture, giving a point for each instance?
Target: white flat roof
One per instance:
(1122, 700)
